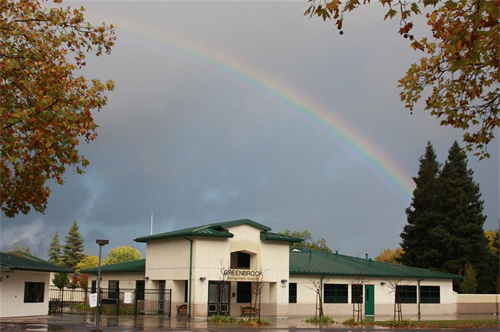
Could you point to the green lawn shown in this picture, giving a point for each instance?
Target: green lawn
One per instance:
(457, 324)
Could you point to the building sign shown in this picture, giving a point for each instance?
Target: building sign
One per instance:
(244, 275)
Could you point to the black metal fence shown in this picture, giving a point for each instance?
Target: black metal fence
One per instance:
(124, 302)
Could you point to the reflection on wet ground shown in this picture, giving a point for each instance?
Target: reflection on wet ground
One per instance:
(163, 323)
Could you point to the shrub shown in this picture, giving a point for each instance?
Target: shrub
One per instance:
(320, 320)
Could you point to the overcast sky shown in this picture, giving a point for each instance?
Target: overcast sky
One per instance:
(225, 111)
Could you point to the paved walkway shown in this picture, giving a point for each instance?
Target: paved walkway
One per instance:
(153, 324)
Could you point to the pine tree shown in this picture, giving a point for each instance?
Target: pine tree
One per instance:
(54, 253)
(73, 249)
(460, 235)
(422, 214)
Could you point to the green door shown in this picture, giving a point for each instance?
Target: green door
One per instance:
(369, 300)
(218, 298)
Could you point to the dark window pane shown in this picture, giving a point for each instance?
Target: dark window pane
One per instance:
(406, 294)
(34, 291)
(140, 285)
(114, 289)
(292, 292)
(335, 293)
(357, 294)
(243, 292)
(430, 294)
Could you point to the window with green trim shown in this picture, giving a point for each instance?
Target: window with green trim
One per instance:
(430, 294)
(335, 293)
(406, 294)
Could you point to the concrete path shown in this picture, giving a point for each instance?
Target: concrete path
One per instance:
(154, 324)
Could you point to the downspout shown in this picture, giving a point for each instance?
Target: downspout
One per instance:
(418, 297)
(190, 272)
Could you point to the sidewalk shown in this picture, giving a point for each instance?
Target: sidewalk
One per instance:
(155, 324)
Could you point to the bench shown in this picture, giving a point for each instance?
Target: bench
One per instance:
(182, 310)
(109, 301)
(55, 306)
(249, 311)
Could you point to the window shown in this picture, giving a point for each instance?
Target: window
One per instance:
(114, 289)
(335, 293)
(292, 292)
(33, 291)
(430, 294)
(93, 288)
(186, 285)
(244, 292)
(140, 285)
(357, 294)
(240, 260)
(406, 294)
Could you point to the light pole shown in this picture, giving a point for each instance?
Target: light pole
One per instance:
(101, 244)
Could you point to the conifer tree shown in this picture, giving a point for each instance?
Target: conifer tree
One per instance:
(460, 235)
(54, 253)
(73, 249)
(422, 214)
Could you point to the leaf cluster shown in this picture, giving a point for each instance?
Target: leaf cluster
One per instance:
(460, 70)
(45, 108)
(308, 241)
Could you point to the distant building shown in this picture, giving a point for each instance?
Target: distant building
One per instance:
(218, 268)
(24, 284)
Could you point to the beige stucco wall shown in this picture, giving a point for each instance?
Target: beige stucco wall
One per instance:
(169, 260)
(384, 298)
(127, 280)
(12, 294)
(478, 304)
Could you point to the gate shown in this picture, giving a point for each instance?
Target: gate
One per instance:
(124, 302)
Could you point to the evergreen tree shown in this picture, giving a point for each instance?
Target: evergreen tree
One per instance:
(459, 235)
(54, 253)
(469, 284)
(73, 249)
(422, 214)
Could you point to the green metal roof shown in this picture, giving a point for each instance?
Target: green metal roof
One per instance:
(133, 266)
(279, 237)
(210, 230)
(20, 261)
(304, 261)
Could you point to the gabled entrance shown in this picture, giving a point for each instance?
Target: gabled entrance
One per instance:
(218, 298)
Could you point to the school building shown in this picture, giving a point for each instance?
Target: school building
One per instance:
(236, 267)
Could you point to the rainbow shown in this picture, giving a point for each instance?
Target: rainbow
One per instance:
(330, 125)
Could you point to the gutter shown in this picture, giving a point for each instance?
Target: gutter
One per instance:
(418, 297)
(190, 272)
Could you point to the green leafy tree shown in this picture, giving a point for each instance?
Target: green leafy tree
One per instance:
(459, 69)
(19, 246)
(73, 249)
(60, 280)
(390, 256)
(45, 108)
(460, 235)
(308, 242)
(469, 284)
(88, 262)
(122, 254)
(417, 240)
(55, 249)
(493, 241)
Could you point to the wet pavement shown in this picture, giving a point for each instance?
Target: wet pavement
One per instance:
(161, 323)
